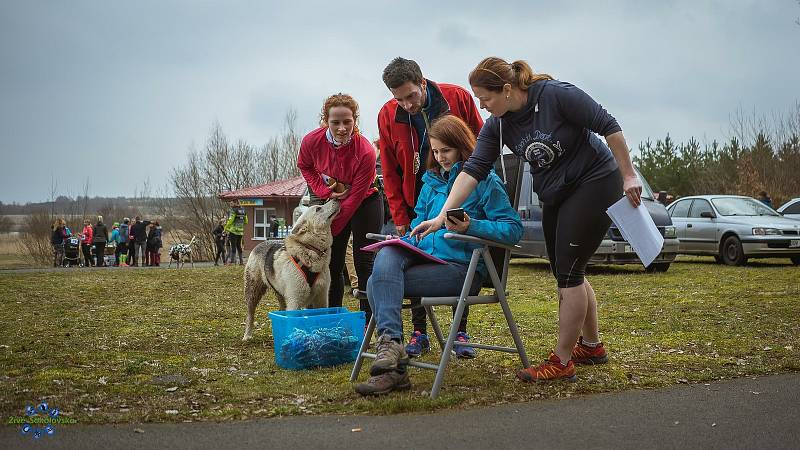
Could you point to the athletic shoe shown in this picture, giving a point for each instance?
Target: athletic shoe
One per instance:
(418, 344)
(550, 370)
(461, 350)
(384, 383)
(583, 354)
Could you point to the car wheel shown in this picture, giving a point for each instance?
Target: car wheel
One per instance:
(657, 267)
(796, 260)
(732, 253)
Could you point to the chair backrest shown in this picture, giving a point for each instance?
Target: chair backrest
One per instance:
(513, 182)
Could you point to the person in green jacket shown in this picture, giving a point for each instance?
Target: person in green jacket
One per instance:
(237, 219)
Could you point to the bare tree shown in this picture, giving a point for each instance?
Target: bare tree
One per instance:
(223, 166)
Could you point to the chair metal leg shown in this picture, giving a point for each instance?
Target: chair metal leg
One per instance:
(364, 347)
(501, 296)
(448, 346)
(435, 325)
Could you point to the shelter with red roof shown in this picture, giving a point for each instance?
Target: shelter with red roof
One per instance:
(278, 198)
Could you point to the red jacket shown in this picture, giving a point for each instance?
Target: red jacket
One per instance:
(87, 235)
(397, 149)
(352, 164)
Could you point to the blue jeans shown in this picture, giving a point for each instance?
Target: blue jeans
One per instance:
(397, 274)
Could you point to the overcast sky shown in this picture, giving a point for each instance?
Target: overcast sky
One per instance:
(119, 91)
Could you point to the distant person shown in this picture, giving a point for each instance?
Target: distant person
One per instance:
(219, 241)
(274, 225)
(764, 198)
(122, 243)
(57, 238)
(154, 244)
(131, 245)
(100, 239)
(662, 198)
(234, 227)
(87, 236)
(115, 239)
(139, 240)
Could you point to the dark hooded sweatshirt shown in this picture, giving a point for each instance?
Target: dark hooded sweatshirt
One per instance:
(555, 133)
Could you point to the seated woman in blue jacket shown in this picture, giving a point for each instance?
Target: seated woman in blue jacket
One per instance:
(396, 273)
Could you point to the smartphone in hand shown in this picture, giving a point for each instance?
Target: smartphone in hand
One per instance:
(458, 213)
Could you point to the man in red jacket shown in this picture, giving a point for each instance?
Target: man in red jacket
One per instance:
(403, 123)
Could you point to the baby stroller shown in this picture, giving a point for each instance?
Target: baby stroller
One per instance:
(72, 251)
(109, 253)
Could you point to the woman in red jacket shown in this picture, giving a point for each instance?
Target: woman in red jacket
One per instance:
(339, 163)
(87, 236)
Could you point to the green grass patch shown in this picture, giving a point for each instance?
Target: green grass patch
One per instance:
(119, 345)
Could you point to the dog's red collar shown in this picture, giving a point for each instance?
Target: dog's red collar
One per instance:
(310, 276)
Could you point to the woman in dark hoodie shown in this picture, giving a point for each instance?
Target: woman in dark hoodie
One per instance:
(553, 126)
(100, 233)
(154, 245)
(57, 237)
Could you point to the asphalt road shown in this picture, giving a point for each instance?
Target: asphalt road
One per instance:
(744, 413)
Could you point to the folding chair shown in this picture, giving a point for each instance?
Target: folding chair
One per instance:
(496, 257)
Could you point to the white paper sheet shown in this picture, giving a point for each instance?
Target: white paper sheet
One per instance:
(638, 228)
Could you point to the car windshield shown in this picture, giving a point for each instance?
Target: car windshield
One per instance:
(647, 191)
(737, 206)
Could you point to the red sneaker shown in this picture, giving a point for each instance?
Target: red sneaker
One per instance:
(550, 370)
(583, 354)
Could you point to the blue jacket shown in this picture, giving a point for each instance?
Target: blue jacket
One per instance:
(490, 213)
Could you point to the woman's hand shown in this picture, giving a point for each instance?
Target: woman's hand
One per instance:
(459, 226)
(632, 188)
(429, 226)
(340, 195)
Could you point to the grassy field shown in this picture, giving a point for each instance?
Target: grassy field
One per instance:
(164, 345)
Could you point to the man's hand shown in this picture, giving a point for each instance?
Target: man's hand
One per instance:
(453, 224)
(401, 229)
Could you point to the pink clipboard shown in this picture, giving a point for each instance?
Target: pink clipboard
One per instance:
(403, 244)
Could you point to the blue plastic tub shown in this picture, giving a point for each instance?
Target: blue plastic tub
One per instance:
(322, 337)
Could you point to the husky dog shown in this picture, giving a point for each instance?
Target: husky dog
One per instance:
(296, 268)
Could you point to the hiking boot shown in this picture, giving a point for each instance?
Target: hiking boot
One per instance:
(390, 355)
(418, 344)
(550, 370)
(384, 383)
(583, 354)
(463, 351)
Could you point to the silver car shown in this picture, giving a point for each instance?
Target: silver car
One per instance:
(733, 228)
(791, 209)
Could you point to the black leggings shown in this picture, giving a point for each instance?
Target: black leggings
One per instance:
(419, 318)
(575, 228)
(87, 255)
(220, 252)
(368, 218)
(236, 246)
